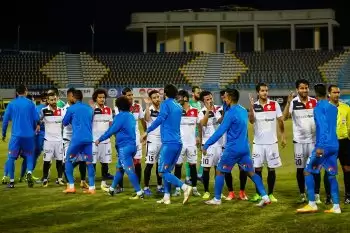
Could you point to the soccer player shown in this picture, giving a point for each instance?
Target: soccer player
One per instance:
(123, 128)
(188, 137)
(301, 110)
(195, 103)
(208, 118)
(169, 119)
(24, 117)
(153, 141)
(67, 137)
(101, 122)
(235, 123)
(60, 103)
(325, 151)
(265, 114)
(80, 116)
(52, 118)
(343, 134)
(228, 176)
(137, 111)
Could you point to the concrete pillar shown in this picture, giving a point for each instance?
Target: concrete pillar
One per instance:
(145, 39)
(330, 36)
(182, 39)
(292, 36)
(218, 38)
(317, 39)
(256, 35)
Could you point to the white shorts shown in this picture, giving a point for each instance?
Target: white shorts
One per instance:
(152, 152)
(138, 154)
(53, 150)
(188, 152)
(102, 153)
(302, 151)
(213, 156)
(266, 154)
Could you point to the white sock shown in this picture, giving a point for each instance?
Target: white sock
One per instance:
(194, 188)
(29, 172)
(265, 198)
(45, 180)
(103, 183)
(82, 181)
(336, 206)
(12, 180)
(184, 187)
(312, 203)
(188, 178)
(91, 187)
(71, 186)
(145, 188)
(166, 196)
(139, 193)
(111, 188)
(159, 186)
(59, 179)
(178, 189)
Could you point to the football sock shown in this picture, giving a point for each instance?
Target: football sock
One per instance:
(271, 180)
(219, 184)
(193, 174)
(242, 179)
(229, 183)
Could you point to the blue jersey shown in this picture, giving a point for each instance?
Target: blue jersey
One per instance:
(225, 107)
(325, 115)
(235, 123)
(169, 119)
(80, 116)
(42, 125)
(123, 128)
(21, 111)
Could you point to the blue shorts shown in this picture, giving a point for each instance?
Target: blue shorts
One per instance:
(230, 157)
(75, 149)
(125, 157)
(39, 143)
(328, 161)
(21, 145)
(168, 156)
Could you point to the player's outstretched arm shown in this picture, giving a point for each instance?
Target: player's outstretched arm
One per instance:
(113, 129)
(163, 115)
(6, 119)
(251, 115)
(67, 119)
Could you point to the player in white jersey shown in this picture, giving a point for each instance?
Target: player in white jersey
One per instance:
(153, 141)
(52, 118)
(102, 120)
(208, 119)
(301, 110)
(265, 114)
(67, 136)
(137, 111)
(188, 125)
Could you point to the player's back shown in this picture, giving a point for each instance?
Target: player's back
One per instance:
(325, 115)
(82, 116)
(21, 111)
(237, 138)
(170, 128)
(126, 136)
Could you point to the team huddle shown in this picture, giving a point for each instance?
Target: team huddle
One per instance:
(176, 129)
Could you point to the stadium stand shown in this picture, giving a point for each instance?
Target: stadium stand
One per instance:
(56, 70)
(92, 70)
(24, 67)
(343, 74)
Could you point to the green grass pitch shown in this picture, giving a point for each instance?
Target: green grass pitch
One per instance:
(49, 210)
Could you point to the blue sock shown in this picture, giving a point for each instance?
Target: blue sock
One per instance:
(91, 174)
(11, 167)
(219, 184)
(30, 161)
(310, 186)
(134, 180)
(118, 176)
(23, 167)
(6, 172)
(334, 189)
(172, 179)
(258, 184)
(36, 156)
(69, 172)
(167, 186)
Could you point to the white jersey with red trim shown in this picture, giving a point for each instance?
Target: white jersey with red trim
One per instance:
(188, 125)
(209, 129)
(102, 120)
(52, 119)
(154, 136)
(265, 126)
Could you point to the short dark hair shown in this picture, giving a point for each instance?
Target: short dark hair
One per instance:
(194, 88)
(222, 92)
(71, 90)
(51, 94)
(233, 93)
(43, 95)
(204, 93)
(55, 89)
(123, 104)
(30, 97)
(259, 85)
(320, 90)
(152, 92)
(331, 86)
(78, 95)
(170, 91)
(126, 90)
(98, 92)
(184, 93)
(21, 89)
(301, 81)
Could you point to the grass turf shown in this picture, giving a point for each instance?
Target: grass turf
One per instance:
(49, 210)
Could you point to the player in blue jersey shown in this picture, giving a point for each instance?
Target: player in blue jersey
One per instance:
(123, 127)
(79, 115)
(169, 119)
(235, 123)
(24, 117)
(325, 153)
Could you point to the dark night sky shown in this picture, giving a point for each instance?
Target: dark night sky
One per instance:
(65, 24)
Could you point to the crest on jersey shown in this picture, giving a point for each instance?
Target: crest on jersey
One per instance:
(310, 105)
(268, 107)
